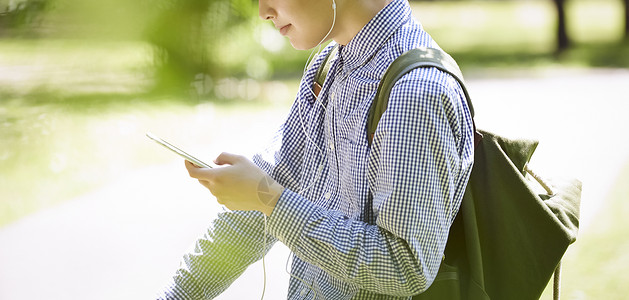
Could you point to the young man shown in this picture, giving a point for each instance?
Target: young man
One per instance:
(364, 221)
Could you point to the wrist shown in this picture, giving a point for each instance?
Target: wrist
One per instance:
(269, 192)
(268, 207)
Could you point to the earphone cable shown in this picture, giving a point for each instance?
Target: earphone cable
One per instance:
(319, 169)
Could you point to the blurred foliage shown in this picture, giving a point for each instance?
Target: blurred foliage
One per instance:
(19, 18)
(194, 43)
(484, 35)
(189, 35)
(195, 46)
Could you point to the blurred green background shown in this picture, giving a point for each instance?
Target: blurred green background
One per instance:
(81, 81)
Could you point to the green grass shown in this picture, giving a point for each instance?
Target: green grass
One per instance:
(54, 111)
(52, 153)
(54, 69)
(594, 266)
(73, 116)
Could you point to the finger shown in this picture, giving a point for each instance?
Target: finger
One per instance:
(227, 158)
(197, 172)
(192, 169)
(189, 165)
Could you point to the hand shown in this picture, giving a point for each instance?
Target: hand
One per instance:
(240, 185)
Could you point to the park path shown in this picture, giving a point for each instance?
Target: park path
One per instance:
(124, 240)
(120, 242)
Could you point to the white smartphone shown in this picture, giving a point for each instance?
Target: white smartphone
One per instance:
(186, 156)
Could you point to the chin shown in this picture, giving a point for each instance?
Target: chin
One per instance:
(302, 45)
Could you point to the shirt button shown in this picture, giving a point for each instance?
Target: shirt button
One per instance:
(303, 292)
(332, 146)
(327, 195)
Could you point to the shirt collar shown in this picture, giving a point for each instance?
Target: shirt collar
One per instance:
(369, 39)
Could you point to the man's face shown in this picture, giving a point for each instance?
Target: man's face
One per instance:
(304, 22)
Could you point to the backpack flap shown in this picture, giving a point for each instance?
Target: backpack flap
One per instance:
(565, 203)
(520, 235)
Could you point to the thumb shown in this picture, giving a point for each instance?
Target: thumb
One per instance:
(227, 158)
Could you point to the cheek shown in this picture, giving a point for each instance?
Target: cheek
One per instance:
(311, 33)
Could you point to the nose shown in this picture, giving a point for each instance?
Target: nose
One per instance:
(265, 11)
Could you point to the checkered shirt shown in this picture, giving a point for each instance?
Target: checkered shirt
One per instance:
(363, 221)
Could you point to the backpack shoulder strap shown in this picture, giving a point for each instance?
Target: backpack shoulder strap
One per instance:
(416, 58)
(322, 71)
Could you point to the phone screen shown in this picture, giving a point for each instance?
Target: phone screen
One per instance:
(171, 147)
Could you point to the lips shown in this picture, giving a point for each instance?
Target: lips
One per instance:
(284, 29)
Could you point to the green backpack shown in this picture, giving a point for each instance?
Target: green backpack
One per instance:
(507, 239)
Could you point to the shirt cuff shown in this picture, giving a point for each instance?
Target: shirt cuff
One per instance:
(173, 291)
(289, 217)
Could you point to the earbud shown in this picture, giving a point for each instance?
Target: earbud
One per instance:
(334, 5)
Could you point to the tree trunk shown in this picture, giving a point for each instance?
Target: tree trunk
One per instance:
(563, 42)
(626, 2)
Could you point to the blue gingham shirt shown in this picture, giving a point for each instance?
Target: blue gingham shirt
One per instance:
(363, 222)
